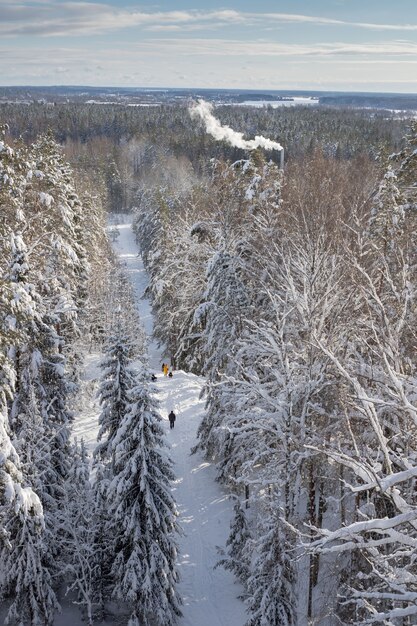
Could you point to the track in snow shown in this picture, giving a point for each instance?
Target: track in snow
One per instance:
(210, 596)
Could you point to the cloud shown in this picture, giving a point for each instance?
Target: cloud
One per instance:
(226, 63)
(295, 18)
(49, 18)
(79, 18)
(247, 49)
(175, 49)
(165, 64)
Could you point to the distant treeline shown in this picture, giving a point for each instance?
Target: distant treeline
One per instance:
(395, 101)
(339, 132)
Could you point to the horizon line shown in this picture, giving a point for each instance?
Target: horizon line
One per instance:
(219, 89)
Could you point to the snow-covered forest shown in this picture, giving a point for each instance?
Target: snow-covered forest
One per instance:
(283, 301)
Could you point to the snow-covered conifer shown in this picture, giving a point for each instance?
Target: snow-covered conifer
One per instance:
(15, 302)
(238, 554)
(103, 530)
(270, 588)
(10, 474)
(39, 414)
(126, 316)
(117, 380)
(222, 314)
(144, 570)
(78, 531)
(24, 572)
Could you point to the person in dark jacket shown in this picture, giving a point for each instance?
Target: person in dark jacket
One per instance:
(172, 417)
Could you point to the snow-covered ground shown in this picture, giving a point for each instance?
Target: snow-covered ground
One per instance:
(210, 595)
(275, 104)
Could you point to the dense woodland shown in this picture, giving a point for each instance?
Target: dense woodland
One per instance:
(294, 295)
(291, 291)
(130, 145)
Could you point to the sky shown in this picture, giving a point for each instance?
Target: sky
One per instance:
(341, 45)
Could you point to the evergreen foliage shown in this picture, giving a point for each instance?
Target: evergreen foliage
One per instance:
(305, 330)
(102, 529)
(292, 293)
(43, 273)
(79, 532)
(144, 570)
(117, 380)
(25, 568)
(270, 590)
(237, 557)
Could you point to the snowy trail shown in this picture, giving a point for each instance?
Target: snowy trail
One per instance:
(210, 596)
(127, 250)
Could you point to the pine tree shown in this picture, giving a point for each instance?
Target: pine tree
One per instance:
(10, 474)
(25, 570)
(120, 290)
(270, 587)
(117, 380)
(20, 509)
(78, 531)
(144, 570)
(32, 420)
(40, 403)
(104, 528)
(237, 556)
(222, 316)
(43, 272)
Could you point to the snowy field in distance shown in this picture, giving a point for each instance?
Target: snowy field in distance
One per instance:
(275, 104)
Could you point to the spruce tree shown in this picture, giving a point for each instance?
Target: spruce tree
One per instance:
(10, 474)
(25, 570)
(144, 570)
(237, 556)
(17, 502)
(33, 535)
(222, 317)
(271, 597)
(117, 379)
(78, 530)
(103, 530)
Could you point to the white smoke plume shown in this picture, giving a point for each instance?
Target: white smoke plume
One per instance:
(203, 110)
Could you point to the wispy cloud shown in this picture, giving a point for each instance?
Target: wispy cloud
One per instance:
(170, 47)
(169, 63)
(296, 18)
(49, 18)
(191, 48)
(222, 47)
